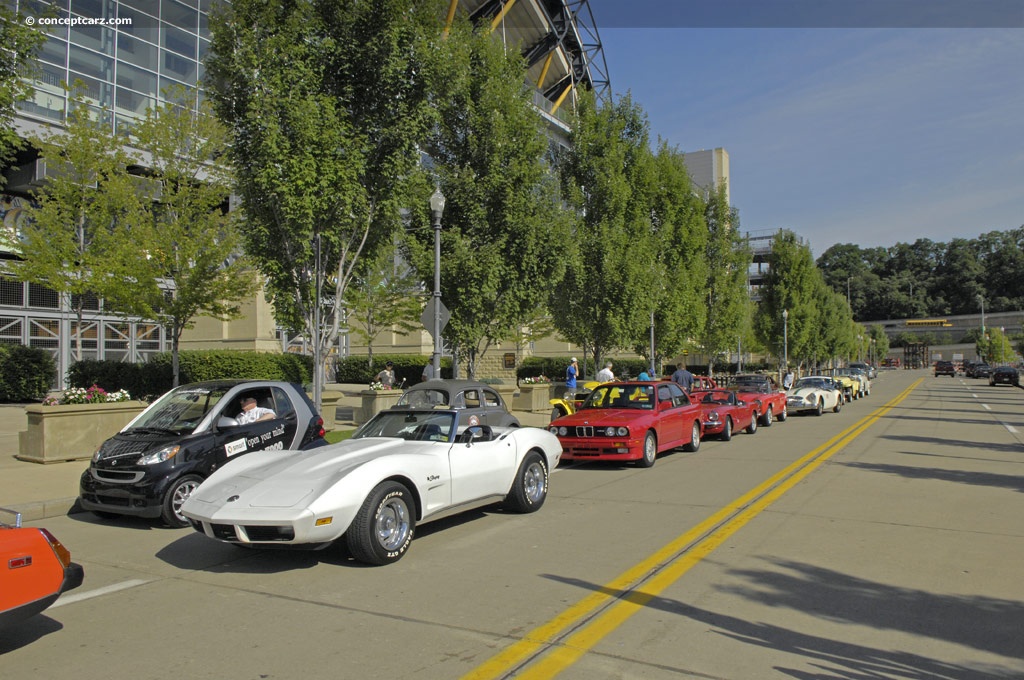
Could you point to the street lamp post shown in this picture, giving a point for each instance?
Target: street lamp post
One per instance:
(981, 300)
(785, 338)
(436, 210)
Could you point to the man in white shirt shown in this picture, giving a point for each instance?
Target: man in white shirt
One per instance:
(252, 413)
(605, 374)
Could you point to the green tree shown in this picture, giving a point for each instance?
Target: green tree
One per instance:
(326, 101)
(728, 259)
(87, 210)
(188, 241)
(18, 44)
(880, 343)
(504, 228)
(789, 288)
(995, 347)
(385, 295)
(680, 246)
(613, 276)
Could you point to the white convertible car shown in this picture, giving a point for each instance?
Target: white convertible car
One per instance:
(815, 393)
(402, 468)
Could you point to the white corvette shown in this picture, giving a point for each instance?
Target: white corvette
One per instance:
(815, 393)
(402, 468)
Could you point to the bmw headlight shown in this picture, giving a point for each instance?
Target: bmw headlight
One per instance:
(609, 431)
(160, 456)
(623, 432)
(562, 431)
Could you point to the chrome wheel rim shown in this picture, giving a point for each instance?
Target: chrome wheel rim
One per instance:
(534, 482)
(695, 435)
(392, 523)
(650, 448)
(181, 494)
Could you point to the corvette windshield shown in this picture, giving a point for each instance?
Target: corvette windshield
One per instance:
(621, 396)
(413, 426)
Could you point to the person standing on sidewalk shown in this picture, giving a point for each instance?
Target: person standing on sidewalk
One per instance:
(571, 374)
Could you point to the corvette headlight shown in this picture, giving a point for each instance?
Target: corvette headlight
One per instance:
(160, 456)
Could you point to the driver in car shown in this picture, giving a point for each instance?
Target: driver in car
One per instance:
(252, 413)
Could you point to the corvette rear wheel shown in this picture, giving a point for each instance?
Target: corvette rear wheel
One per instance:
(727, 430)
(531, 485)
(382, 529)
(175, 497)
(694, 444)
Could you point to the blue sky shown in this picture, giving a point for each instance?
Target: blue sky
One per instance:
(868, 135)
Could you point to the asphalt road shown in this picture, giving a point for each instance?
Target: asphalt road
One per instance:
(885, 541)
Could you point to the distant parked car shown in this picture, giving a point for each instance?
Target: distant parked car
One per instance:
(479, 403)
(866, 367)
(35, 568)
(150, 467)
(945, 368)
(1004, 375)
(816, 394)
(723, 413)
(770, 398)
(982, 370)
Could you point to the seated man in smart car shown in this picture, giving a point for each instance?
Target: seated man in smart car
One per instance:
(252, 413)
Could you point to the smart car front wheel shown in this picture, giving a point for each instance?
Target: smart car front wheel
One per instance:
(175, 497)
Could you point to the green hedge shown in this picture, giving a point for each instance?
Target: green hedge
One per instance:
(355, 370)
(155, 377)
(26, 373)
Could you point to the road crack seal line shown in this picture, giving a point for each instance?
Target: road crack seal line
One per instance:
(557, 644)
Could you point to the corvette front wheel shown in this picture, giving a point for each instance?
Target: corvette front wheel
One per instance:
(531, 485)
(382, 529)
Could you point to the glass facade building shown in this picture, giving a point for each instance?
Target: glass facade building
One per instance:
(142, 49)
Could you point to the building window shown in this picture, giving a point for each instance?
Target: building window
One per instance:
(42, 297)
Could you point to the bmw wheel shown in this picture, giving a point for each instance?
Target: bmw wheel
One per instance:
(694, 444)
(382, 529)
(531, 485)
(175, 497)
(650, 450)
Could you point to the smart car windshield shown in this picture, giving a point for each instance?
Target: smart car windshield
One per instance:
(621, 396)
(180, 410)
(410, 425)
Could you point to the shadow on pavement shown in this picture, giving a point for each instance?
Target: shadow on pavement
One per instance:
(1012, 482)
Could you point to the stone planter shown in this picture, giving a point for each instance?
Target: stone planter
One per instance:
(328, 407)
(375, 401)
(508, 394)
(533, 398)
(74, 431)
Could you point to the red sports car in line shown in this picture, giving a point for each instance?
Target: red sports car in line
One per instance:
(725, 413)
(763, 389)
(630, 421)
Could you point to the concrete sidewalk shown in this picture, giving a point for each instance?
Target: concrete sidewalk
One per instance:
(40, 491)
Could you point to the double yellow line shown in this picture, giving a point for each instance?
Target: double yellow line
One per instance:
(554, 646)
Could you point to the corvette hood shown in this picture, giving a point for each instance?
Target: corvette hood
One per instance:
(279, 480)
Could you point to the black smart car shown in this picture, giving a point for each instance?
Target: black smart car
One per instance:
(150, 467)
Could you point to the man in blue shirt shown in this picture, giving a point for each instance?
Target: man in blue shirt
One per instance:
(570, 378)
(683, 378)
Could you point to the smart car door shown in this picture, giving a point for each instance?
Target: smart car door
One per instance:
(233, 439)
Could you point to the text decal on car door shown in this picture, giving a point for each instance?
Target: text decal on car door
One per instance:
(237, 446)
